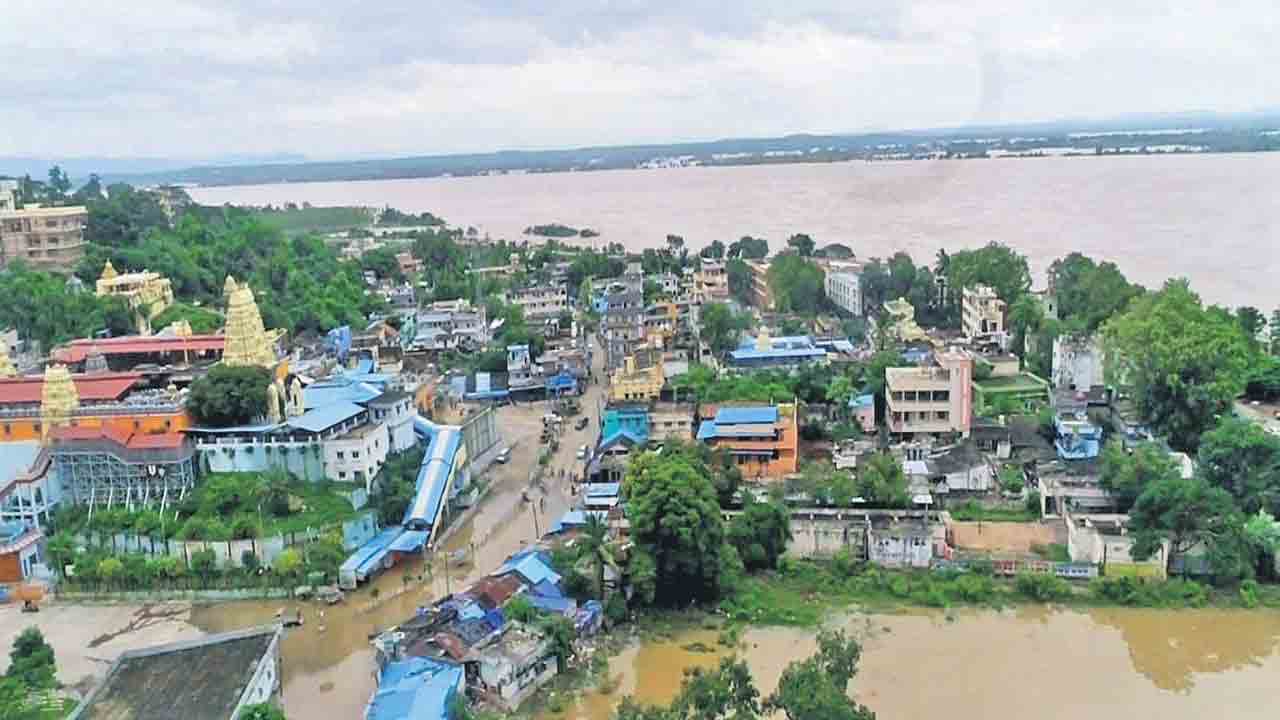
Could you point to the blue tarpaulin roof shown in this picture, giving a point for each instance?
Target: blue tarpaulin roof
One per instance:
(320, 394)
(371, 548)
(546, 588)
(560, 605)
(862, 401)
(745, 415)
(415, 688)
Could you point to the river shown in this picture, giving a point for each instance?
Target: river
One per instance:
(1212, 218)
(1032, 662)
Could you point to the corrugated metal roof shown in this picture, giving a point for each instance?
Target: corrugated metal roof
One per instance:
(415, 688)
(325, 393)
(531, 567)
(323, 418)
(603, 489)
(409, 541)
(742, 415)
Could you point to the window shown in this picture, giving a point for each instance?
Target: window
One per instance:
(342, 475)
(943, 415)
(342, 455)
(355, 454)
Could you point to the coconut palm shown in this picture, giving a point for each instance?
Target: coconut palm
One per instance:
(594, 545)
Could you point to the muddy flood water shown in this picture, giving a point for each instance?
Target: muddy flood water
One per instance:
(1032, 663)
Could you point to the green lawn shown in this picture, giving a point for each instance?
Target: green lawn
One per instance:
(1021, 381)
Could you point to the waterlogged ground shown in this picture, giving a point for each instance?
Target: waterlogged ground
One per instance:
(981, 664)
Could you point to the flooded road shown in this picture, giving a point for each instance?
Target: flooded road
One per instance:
(1030, 662)
(328, 662)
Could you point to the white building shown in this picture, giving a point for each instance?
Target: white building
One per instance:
(395, 410)
(1077, 363)
(983, 312)
(844, 288)
(358, 454)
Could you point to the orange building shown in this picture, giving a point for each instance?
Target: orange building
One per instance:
(103, 402)
(764, 440)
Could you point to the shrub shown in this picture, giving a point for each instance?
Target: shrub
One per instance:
(615, 609)
(1042, 587)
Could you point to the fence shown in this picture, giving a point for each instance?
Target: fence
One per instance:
(1010, 567)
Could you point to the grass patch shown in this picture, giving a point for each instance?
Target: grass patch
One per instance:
(315, 219)
(971, 511)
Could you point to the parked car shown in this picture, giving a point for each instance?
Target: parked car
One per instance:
(504, 456)
(582, 452)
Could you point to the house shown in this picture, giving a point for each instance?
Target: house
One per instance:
(1019, 392)
(712, 282)
(983, 313)
(761, 293)
(416, 688)
(1104, 540)
(906, 539)
(1078, 436)
(540, 302)
(212, 678)
(410, 266)
(786, 352)
(515, 666)
(933, 398)
(863, 409)
(671, 421)
(762, 439)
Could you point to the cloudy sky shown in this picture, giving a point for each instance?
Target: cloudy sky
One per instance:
(337, 78)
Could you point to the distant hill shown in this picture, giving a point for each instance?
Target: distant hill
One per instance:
(1205, 132)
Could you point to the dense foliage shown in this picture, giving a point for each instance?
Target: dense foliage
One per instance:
(796, 284)
(1184, 362)
(229, 396)
(721, 327)
(41, 307)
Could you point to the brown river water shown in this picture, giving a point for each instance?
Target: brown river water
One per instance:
(1212, 218)
(1028, 663)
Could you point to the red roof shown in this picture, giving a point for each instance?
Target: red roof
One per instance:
(95, 387)
(77, 350)
(134, 441)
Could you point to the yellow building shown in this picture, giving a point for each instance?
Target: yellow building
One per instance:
(904, 321)
(147, 293)
(640, 378)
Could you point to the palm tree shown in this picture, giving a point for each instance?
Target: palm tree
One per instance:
(593, 543)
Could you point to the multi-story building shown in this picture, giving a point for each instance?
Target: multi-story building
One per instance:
(31, 406)
(540, 302)
(1077, 363)
(844, 288)
(761, 294)
(46, 237)
(933, 398)
(450, 325)
(671, 421)
(982, 312)
(712, 282)
(762, 439)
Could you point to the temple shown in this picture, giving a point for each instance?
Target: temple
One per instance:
(147, 293)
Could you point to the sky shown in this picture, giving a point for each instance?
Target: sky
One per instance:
(337, 79)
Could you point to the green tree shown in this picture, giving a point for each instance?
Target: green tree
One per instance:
(1184, 362)
(675, 520)
(204, 563)
(1244, 459)
(261, 711)
(59, 184)
(741, 281)
(749, 248)
(997, 266)
(288, 564)
(1252, 321)
(1183, 512)
(802, 244)
(559, 629)
(796, 284)
(1089, 293)
(882, 482)
(838, 392)
(229, 395)
(760, 533)
(817, 688)
(1273, 328)
(31, 661)
(1125, 472)
(721, 327)
(593, 544)
(714, 251)
(110, 569)
(382, 261)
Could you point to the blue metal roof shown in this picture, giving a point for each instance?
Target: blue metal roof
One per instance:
(433, 477)
(765, 430)
(744, 415)
(323, 418)
(410, 541)
(531, 567)
(557, 605)
(618, 435)
(861, 401)
(415, 688)
(365, 552)
(786, 354)
(16, 458)
(320, 394)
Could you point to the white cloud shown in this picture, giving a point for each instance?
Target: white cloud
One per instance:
(331, 79)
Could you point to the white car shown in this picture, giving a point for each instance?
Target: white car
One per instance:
(504, 456)
(582, 452)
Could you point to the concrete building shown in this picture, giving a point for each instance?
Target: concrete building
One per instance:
(712, 282)
(20, 551)
(540, 302)
(844, 289)
(106, 467)
(640, 378)
(983, 313)
(31, 405)
(863, 409)
(450, 325)
(904, 325)
(671, 421)
(762, 439)
(1077, 363)
(212, 678)
(44, 237)
(761, 294)
(934, 398)
(516, 665)
(395, 409)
